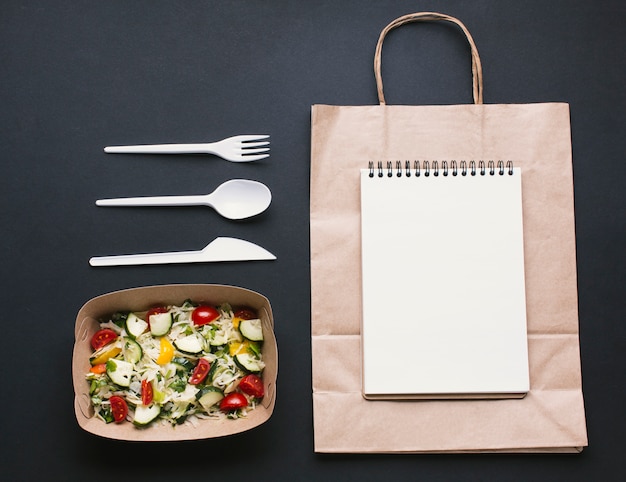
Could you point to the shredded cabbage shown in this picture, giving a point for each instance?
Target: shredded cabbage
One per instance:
(177, 398)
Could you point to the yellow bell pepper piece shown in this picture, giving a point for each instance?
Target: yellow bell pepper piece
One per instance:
(106, 355)
(236, 347)
(166, 352)
(236, 321)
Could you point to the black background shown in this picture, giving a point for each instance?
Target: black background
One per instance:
(76, 76)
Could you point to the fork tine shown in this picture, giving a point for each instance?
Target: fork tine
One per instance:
(247, 145)
(252, 151)
(247, 158)
(246, 138)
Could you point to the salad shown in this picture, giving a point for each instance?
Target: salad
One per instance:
(177, 364)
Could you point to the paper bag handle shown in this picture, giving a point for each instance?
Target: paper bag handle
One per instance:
(477, 70)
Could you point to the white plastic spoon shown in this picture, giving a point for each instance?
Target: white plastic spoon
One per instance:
(234, 199)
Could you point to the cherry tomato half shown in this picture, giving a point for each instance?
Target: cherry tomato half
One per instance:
(200, 372)
(233, 401)
(147, 393)
(154, 311)
(204, 314)
(252, 385)
(119, 408)
(246, 314)
(102, 338)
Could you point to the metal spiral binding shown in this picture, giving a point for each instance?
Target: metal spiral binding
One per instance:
(445, 168)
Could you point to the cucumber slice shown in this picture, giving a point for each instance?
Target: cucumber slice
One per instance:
(209, 397)
(132, 351)
(248, 362)
(218, 338)
(189, 344)
(251, 329)
(135, 326)
(120, 372)
(215, 370)
(182, 364)
(144, 414)
(160, 323)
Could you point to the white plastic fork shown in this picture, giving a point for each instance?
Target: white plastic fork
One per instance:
(244, 148)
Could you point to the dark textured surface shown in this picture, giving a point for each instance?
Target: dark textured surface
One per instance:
(77, 76)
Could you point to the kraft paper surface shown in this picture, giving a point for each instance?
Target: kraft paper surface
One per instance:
(536, 137)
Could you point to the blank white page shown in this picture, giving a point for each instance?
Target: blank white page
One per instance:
(444, 309)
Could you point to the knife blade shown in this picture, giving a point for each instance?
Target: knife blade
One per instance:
(220, 249)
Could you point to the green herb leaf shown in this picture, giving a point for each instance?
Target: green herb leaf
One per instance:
(119, 318)
(178, 385)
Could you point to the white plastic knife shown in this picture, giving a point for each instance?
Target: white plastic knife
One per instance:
(220, 249)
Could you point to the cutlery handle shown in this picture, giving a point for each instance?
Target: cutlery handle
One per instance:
(155, 201)
(220, 249)
(161, 149)
(142, 259)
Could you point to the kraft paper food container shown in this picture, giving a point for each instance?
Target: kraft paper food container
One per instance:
(142, 299)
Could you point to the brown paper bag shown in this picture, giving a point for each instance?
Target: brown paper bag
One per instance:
(535, 137)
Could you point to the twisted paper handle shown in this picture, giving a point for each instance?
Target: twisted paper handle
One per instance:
(477, 70)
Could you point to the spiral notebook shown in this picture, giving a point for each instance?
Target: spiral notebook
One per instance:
(444, 310)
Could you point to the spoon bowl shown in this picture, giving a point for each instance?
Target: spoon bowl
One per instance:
(240, 198)
(234, 199)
